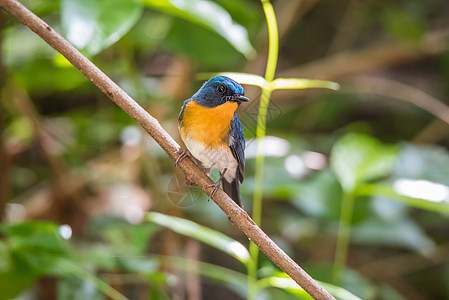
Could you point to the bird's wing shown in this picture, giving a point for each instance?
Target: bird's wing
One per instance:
(238, 145)
(181, 114)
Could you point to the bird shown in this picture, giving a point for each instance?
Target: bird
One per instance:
(212, 132)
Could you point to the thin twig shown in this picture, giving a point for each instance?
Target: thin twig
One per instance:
(400, 91)
(358, 61)
(435, 131)
(237, 215)
(375, 57)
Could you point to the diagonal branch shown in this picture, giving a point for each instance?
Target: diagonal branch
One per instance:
(151, 125)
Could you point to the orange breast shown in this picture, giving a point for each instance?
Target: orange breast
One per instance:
(208, 125)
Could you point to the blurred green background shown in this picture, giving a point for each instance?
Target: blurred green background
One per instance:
(92, 207)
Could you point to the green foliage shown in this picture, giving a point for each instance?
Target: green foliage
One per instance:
(404, 26)
(74, 288)
(398, 232)
(201, 233)
(357, 158)
(319, 196)
(389, 199)
(93, 25)
(423, 162)
(282, 281)
(30, 250)
(35, 249)
(233, 279)
(209, 15)
(180, 40)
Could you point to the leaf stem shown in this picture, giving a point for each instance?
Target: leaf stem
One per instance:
(344, 233)
(273, 40)
(273, 48)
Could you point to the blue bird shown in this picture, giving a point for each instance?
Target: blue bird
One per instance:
(213, 134)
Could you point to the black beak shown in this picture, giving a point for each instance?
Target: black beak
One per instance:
(239, 99)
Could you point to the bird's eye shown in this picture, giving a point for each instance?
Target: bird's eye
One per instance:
(221, 88)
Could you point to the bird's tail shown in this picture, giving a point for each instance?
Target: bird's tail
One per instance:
(233, 189)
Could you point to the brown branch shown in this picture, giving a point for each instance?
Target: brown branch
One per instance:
(237, 215)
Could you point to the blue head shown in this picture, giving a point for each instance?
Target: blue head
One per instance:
(219, 90)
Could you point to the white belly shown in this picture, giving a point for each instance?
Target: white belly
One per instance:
(213, 158)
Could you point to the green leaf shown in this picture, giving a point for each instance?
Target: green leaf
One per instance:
(339, 292)
(352, 281)
(423, 162)
(75, 270)
(40, 239)
(320, 196)
(283, 281)
(93, 25)
(206, 235)
(420, 179)
(295, 83)
(388, 191)
(357, 158)
(287, 284)
(30, 250)
(56, 78)
(71, 287)
(187, 38)
(209, 15)
(234, 280)
(400, 232)
(12, 284)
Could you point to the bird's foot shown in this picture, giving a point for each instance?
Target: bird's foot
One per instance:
(182, 155)
(215, 187)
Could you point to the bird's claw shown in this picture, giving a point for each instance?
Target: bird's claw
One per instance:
(214, 190)
(181, 156)
(216, 185)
